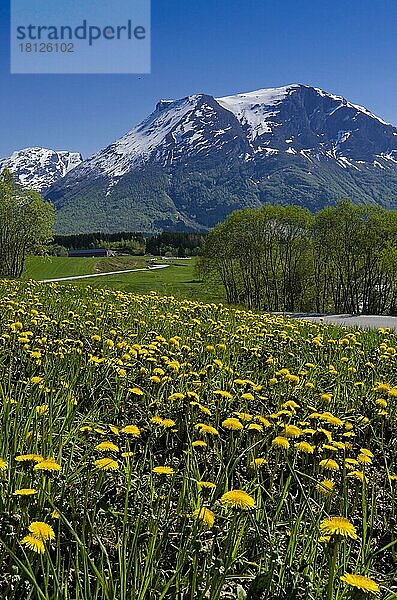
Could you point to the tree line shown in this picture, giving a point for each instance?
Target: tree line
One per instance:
(343, 259)
(169, 243)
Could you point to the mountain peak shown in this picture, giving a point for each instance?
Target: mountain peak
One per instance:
(195, 159)
(39, 168)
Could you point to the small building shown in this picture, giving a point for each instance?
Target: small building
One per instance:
(89, 253)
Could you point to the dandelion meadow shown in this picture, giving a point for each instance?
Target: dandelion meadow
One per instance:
(154, 448)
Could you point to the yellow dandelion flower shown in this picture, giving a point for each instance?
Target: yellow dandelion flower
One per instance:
(331, 419)
(243, 416)
(329, 464)
(280, 442)
(29, 458)
(127, 454)
(358, 475)
(339, 445)
(163, 470)
(33, 544)
(55, 514)
(114, 430)
(156, 420)
(206, 484)
(106, 447)
(325, 487)
(25, 492)
(204, 516)
(238, 499)
(305, 447)
(85, 428)
(366, 452)
(361, 582)
(314, 415)
(136, 391)
(329, 447)
(199, 444)
(290, 404)
(100, 431)
(42, 409)
(41, 531)
(265, 422)
(255, 427)
(204, 409)
(107, 464)
(206, 429)
(48, 464)
(223, 394)
(248, 396)
(381, 402)
(364, 459)
(3, 464)
(338, 526)
(292, 431)
(176, 396)
(232, 424)
(132, 430)
(257, 463)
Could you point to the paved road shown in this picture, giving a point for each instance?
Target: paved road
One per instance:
(103, 274)
(372, 321)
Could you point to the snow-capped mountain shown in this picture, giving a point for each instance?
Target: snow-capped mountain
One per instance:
(39, 168)
(291, 119)
(194, 160)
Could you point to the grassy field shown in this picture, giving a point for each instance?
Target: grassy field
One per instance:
(52, 267)
(179, 279)
(157, 449)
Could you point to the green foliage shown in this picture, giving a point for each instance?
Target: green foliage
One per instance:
(26, 224)
(175, 243)
(342, 259)
(131, 243)
(198, 196)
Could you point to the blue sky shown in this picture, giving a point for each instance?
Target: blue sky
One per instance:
(218, 47)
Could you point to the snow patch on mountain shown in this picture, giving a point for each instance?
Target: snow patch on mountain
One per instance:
(39, 168)
(252, 108)
(137, 145)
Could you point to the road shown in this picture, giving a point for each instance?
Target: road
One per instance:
(372, 321)
(155, 267)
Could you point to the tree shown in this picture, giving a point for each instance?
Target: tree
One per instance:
(26, 224)
(263, 257)
(282, 258)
